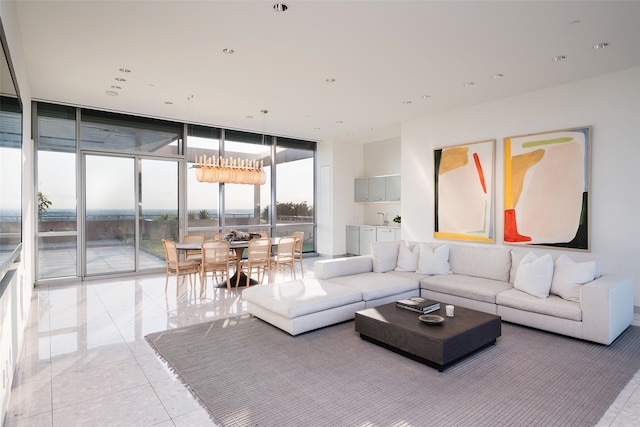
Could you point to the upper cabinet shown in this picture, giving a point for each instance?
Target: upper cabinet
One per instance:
(377, 189)
(392, 188)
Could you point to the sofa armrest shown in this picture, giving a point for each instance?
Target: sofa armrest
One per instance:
(607, 308)
(330, 268)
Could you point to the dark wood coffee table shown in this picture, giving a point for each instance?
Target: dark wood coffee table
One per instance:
(437, 346)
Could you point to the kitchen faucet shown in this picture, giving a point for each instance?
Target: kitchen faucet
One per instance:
(384, 218)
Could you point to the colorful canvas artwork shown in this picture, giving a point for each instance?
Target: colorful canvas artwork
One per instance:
(546, 189)
(464, 207)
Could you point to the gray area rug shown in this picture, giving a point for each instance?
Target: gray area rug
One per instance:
(247, 373)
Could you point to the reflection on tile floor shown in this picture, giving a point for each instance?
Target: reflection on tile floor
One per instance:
(85, 360)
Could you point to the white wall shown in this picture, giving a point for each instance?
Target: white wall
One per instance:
(380, 158)
(610, 104)
(337, 166)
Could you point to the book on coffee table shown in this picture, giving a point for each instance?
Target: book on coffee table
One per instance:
(418, 304)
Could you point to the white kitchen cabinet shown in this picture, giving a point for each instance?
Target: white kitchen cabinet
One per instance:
(367, 236)
(353, 239)
(377, 189)
(361, 189)
(360, 237)
(392, 188)
(385, 234)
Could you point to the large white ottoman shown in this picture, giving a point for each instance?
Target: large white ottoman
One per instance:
(303, 305)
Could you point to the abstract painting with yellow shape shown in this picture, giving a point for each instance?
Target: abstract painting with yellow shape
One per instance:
(464, 208)
(546, 189)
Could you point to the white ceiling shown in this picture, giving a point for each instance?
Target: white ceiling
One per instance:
(380, 53)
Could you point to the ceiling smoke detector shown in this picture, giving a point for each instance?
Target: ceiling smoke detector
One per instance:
(280, 7)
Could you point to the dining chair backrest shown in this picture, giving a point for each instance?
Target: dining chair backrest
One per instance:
(286, 246)
(218, 236)
(170, 251)
(215, 252)
(299, 235)
(193, 238)
(259, 249)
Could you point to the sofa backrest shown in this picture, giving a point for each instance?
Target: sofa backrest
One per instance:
(479, 261)
(328, 269)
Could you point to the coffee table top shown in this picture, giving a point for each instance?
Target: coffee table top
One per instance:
(464, 320)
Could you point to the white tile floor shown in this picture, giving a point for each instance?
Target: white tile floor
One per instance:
(85, 361)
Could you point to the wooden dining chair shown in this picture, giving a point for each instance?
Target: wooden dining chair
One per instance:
(297, 250)
(180, 269)
(215, 259)
(283, 259)
(258, 259)
(193, 254)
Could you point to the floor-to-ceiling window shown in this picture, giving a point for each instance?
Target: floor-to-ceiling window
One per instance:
(246, 206)
(57, 232)
(295, 166)
(111, 188)
(203, 199)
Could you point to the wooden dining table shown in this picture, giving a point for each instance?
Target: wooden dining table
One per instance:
(238, 246)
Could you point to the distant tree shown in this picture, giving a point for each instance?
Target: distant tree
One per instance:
(191, 215)
(204, 214)
(43, 204)
(290, 209)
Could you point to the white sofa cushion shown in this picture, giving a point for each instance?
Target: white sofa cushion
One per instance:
(534, 275)
(551, 306)
(301, 297)
(433, 261)
(569, 276)
(384, 256)
(407, 258)
(470, 287)
(477, 261)
(377, 285)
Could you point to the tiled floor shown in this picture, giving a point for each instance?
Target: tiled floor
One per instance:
(85, 361)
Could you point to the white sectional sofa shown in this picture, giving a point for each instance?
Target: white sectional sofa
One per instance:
(592, 307)
(562, 294)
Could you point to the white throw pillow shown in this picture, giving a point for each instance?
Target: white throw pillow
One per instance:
(384, 256)
(534, 275)
(569, 275)
(433, 261)
(407, 258)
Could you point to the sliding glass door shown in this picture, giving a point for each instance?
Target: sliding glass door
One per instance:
(131, 204)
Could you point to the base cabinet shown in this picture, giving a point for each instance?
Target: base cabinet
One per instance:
(360, 237)
(353, 239)
(367, 237)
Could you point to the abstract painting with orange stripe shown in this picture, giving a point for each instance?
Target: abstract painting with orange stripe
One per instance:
(464, 202)
(546, 189)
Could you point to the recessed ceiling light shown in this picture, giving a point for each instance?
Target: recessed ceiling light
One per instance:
(575, 22)
(228, 51)
(280, 7)
(125, 70)
(406, 102)
(168, 102)
(248, 117)
(558, 58)
(111, 92)
(115, 87)
(120, 79)
(497, 76)
(330, 80)
(426, 96)
(339, 122)
(469, 84)
(600, 45)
